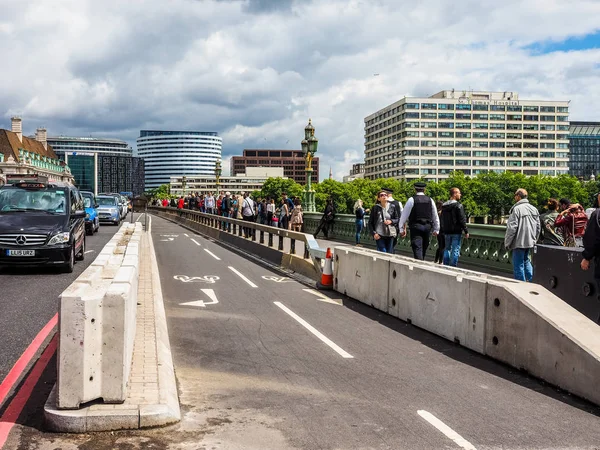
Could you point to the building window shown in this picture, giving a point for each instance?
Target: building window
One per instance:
(480, 162)
(562, 109)
(463, 144)
(445, 125)
(428, 124)
(514, 126)
(463, 162)
(428, 105)
(446, 134)
(428, 134)
(530, 127)
(497, 135)
(497, 144)
(480, 117)
(514, 108)
(531, 109)
(446, 106)
(446, 143)
(445, 162)
(496, 154)
(463, 135)
(463, 116)
(480, 126)
(463, 125)
(497, 108)
(428, 115)
(562, 118)
(513, 145)
(462, 153)
(446, 116)
(428, 162)
(428, 144)
(547, 109)
(497, 117)
(480, 144)
(497, 126)
(480, 153)
(463, 106)
(445, 153)
(530, 118)
(547, 119)
(514, 154)
(428, 153)
(480, 107)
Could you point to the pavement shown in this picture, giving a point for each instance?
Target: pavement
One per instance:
(262, 363)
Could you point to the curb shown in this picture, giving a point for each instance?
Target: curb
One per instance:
(112, 417)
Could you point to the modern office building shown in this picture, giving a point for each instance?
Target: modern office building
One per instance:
(101, 165)
(176, 153)
(292, 161)
(22, 155)
(357, 172)
(469, 131)
(584, 149)
(250, 181)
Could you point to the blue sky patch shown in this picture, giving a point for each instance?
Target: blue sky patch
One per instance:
(587, 42)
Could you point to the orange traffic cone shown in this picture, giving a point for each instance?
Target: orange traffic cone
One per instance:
(327, 275)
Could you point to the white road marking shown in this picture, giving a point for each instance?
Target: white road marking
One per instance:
(89, 251)
(313, 330)
(149, 224)
(243, 277)
(186, 235)
(201, 303)
(139, 217)
(211, 279)
(212, 254)
(276, 279)
(195, 242)
(448, 432)
(323, 297)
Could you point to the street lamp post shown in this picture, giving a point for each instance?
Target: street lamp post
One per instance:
(183, 184)
(218, 171)
(309, 148)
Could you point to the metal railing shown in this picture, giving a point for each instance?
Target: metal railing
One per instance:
(285, 241)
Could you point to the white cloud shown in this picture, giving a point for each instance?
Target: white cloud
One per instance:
(255, 71)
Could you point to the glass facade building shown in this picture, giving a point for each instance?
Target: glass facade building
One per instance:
(101, 165)
(169, 154)
(470, 131)
(584, 149)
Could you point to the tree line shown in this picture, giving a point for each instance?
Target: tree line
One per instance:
(486, 194)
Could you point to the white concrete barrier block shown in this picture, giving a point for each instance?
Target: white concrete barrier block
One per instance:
(91, 275)
(101, 260)
(80, 345)
(131, 260)
(362, 276)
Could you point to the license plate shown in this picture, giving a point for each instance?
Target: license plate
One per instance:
(20, 252)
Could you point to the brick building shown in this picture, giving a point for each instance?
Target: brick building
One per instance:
(292, 161)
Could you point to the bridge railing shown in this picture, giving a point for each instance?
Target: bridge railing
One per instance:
(301, 246)
(484, 248)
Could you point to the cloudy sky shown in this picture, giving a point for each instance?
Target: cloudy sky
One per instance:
(256, 70)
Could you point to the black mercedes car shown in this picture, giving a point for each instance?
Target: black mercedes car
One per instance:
(41, 224)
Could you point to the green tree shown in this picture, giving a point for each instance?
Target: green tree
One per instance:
(161, 192)
(273, 187)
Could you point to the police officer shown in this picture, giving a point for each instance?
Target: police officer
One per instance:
(421, 215)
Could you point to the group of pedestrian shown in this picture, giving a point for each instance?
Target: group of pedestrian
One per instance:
(283, 212)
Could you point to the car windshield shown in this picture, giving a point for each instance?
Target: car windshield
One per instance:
(106, 201)
(87, 202)
(51, 201)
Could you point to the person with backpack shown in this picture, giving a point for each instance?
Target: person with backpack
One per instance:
(453, 224)
(549, 235)
(572, 221)
(382, 223)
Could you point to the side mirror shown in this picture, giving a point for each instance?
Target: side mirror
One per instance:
(78, 215)
(96, 205)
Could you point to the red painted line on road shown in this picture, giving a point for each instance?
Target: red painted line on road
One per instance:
(17, 371)
(14, 410)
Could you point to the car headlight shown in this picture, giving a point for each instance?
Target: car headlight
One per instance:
(59, 238)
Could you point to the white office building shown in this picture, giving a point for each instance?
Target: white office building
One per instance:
(469, 131)
(177, 153)
(252, 180)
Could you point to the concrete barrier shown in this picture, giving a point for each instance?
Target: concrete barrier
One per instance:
(521, 324)
(97, 320)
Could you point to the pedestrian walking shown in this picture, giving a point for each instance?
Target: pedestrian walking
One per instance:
(453, 225)
(572, 222)
(382, 223)
(326, 222)
(522, 231)
(549, 233)
(421, 216)
(248, 213)
(359, 212)
(284, 214)
(296, 219)
(441, 247)
(271, 212)
(209, 203)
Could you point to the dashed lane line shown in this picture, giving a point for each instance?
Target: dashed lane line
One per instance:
(446, 430)
(212, 254)
(195, 242)
(340, 351)
(243, 277)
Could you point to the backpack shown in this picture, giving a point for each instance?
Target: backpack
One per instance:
(290, 204)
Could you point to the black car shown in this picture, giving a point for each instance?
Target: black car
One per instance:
(41, 224)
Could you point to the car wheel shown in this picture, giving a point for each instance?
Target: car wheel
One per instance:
(89, 231)
(81, 254)
(68, 267)
(97, 227)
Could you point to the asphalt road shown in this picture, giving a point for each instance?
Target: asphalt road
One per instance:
(29, 299)
(252, 376)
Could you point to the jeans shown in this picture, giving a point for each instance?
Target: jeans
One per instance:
(359, 228)
(452, 250)
(441, 248)
(385, 244)
(522, 268)
(226, 226)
